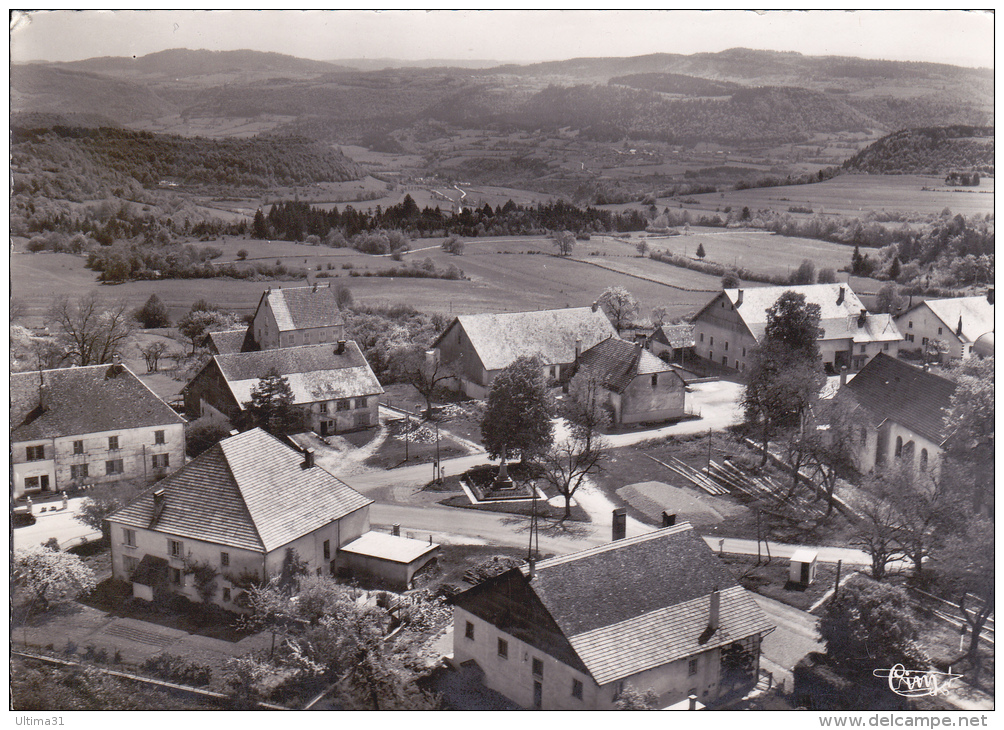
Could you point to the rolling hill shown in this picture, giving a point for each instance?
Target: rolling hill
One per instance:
(930, 150)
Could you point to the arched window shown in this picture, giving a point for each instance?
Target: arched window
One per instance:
(923, 459)
(899, 447)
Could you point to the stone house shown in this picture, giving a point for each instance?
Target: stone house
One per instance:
(479, 346)
(958, 323)
(899, 411)
(332, 383)
(235, 509)
(672, 342)
(305, 315)
(659, 611)
(728, 326)
(82, 426)
(638, 386)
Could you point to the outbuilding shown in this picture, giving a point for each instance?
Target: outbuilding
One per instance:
(392, 559)
(803, 566)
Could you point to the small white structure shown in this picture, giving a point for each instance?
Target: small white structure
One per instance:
(391, 558)
(803, 566)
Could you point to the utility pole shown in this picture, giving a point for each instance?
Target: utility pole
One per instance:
(407, 428)
(709, 450)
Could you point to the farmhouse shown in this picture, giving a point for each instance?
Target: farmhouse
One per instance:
(99, 424)
(227, 342)
(479, 346)
(731, 323)
(957, 323)
(672, 342)
(305, 315)
(658, 611)
(230, 515)
(900, 411)
(332, 383)
(638, 387)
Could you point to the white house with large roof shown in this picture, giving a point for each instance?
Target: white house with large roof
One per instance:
(728, 326)
(301, 315)
(656, 612)
(332, 383)
(958, 323)
(479, 346)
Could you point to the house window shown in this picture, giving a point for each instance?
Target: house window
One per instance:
(36, 453)
(360, 402)
(175, 548)
(31, 483)
(712, 343)
(323, 407)
(725, 360)
(129, 564)
(885, 346)
(726, 345)
(176, 576)
(78, 471)
(655, 380)
(343, 405)
(225, 560)
(161, 461)
(911, 324)
(226, 595)
(576, 689)
(327, 549)
(692, 667)
(78, 448)
(129, 538)
(923, 459)
(158, 437)
(737, 364)
(863, 349)
(742, 367)
(899, 447)
(503, 648)
(744, 352)
(114, 466)
(113, 443)
(702, 337)
(538, 667)
(939, 330)
(469, 631)
(923, 341)
(551, 371)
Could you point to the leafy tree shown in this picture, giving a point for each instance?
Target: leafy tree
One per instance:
(152, 353)
(619, 305)
(701, 253)
(269, 608)
(888, 299)
(565, 242)
(271, 406)
(794, 323)
(203, 434)
(426, 375)
(832, 445)
(453, 245)
(518, 412)
(969, 425)
(804, 274)
(102, 501)
(90, 330)
(966, 563)
(152, 314)
(633, 699)
(826, 276)
(343, 296)
(242, 254)
(870, 625)
(731, 280)
(245, 681)
(857, 262)
(51, 576)
(642, 247)
(660, 315)
(194, 325)
(894, 269)
(567, 465)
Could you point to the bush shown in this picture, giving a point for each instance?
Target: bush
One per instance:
(202, 434)
(242, 254)
(177, 669)
(152, 314)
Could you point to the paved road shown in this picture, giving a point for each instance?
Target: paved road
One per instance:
(795, 636)
(849, 556)
(59, 524)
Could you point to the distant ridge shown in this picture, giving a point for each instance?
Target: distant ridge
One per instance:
(929, 150)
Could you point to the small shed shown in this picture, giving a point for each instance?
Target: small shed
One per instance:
(803, 566)
(149, 575)
(391, 558)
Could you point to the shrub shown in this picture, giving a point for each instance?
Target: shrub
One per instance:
(176, 669)
(242, 254)
(152, 314)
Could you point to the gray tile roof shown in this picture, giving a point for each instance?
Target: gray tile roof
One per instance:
(315, 372)
(975, 313)
(675, 335)
(304, 307)
(889, 388)
(81, 401)
(642, 602)
(226, 342)
(615, 363)
(249, 491)
(499, 339)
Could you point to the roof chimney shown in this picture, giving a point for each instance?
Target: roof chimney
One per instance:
(308, 458)
(532, 572)
(595, 306)
(716, 607)
(158, 497)
(739, 299)
(158, 506)
(862, 317)
(843, 375)
(958, 330)
(578, 348)
(692, 700)
(340, 350)
(619, 527)
(840, 295)
(668, 520)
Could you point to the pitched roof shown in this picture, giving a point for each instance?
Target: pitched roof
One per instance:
(675, 335)
(315, 372)
(83, 400)
(304, 307)
(975, 313)
(499, 339)
(653, 608)
(839, 321)
(249, 491)
(227, 342)
(616, 362)
(891, 389)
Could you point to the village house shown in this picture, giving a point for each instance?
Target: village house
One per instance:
(637, 386)
(230, 515)
(227, 342)
(899, 412)
(728, 327)
(659, 611)
(479, 346)
(332, 383)
(82, 426)
(305, 315)
(672, 342)
(958, 323)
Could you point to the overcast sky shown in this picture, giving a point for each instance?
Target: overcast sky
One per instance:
(955, 37)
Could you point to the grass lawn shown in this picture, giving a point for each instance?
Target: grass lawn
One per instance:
(420, 447)
(523, 509)
(771, 579)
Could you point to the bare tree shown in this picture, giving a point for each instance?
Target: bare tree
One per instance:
(923, 509)
(566, 465)
(620, 306)
(152, 353)
(565, 242)
(660, 315)
(832, 446)
(91, 330)
(878, 532)
(426, 374)
(585, 408)
(967, 564)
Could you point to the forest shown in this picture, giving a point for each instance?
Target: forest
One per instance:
(928, 150)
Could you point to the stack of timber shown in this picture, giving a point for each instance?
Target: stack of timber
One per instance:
(692, 475)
